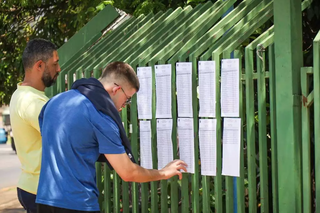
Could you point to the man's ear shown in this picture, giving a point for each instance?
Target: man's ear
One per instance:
(115, 89)
(38, 65)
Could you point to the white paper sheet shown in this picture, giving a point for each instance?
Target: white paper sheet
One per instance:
(208, 144)
(207, 89)
(145, 145)
(144, 96)
(186, 142)
(231, 147)
(163, 91)
(184, 89)
(164, 142)
(230, 87)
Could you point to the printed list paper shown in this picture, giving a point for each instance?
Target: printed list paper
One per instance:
(164, 142)
(144, 95)
(186, 142)
(163, 91)
(184, 89)
(207, 89)
(145, 144)
(230, 87)
(208, 144)
(231, 147)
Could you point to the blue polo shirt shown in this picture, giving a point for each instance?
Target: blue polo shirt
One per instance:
(74, 133)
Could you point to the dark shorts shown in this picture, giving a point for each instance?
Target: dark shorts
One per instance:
(27, 200)
(50, 209)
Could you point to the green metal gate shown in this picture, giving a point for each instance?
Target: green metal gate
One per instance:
(191, 35)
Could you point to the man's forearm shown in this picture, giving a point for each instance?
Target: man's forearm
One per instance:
(141, 175)
(132, 172)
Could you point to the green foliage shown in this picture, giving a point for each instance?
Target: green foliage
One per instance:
(310, 28)
(138, 7)
(22, 20)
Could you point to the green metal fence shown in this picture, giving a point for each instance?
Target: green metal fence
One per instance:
(316, 69)
(310, 80)
(191, 35)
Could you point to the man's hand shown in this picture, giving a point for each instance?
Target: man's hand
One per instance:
(131, 172)
(173, 168)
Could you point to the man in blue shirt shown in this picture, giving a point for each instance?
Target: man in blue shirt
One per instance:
(78, 127)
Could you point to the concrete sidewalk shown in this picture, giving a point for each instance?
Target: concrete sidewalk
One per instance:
(9, 202)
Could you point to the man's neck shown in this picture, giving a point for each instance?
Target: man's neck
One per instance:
(31, 81)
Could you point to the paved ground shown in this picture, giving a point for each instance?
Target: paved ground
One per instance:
(9, 174)
(9, 202)
(9, 166)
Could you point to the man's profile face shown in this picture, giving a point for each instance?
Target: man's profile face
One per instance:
(51, 70)
(122, 96)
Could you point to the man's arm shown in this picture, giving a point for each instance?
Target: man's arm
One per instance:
(131, 172)
(32, 113)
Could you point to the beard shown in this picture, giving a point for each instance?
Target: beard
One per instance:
(47, 79)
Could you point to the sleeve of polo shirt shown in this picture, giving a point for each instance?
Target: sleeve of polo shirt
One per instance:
(108, 135)
(32, 113)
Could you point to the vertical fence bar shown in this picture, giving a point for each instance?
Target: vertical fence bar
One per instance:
(61, 82)
(173, 180)
(218, 179)
(78, 74)
(53, 90)
(134, 129)
(196, 177)
(205, 179)
(229, 180)
(154, 184)
(70, 80)
(289, 55)
(240, 180)
(87, 73)
(116, 192)
(49, 91)
(206, 194)
(251, 150)
(306, 167)
(262, 112)
(164, 184)
(273, 129)
(316, 86)
(185, 193)
(164, 196)
(144, 197)
(107, 189)
(125, 185)
(97, 72)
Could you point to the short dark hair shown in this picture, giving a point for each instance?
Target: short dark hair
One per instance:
(121, 70)
(37, 49)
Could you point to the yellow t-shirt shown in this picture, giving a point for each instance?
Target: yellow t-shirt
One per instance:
(25, 106)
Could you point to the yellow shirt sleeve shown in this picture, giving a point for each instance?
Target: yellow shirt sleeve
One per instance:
(32, 113)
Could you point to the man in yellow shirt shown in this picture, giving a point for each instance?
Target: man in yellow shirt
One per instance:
(41, 65)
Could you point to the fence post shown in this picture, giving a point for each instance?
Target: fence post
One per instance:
(288, 55)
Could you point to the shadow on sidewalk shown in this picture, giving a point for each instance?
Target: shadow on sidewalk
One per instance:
(12, 210)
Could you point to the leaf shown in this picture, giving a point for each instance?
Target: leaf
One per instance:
(108, 2)
(100, 6)
(90, 9)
